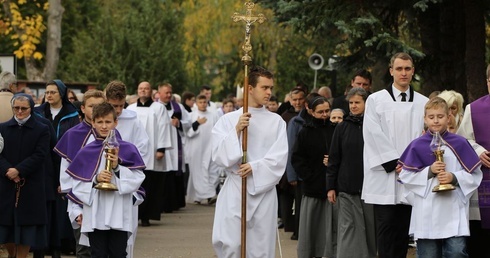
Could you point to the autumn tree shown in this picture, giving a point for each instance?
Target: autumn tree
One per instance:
(445, 37)
(130, 41)
(24, 23)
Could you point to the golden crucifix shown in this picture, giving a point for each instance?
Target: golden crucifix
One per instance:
(249, 19)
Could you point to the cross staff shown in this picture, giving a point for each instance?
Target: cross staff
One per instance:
(249, 19)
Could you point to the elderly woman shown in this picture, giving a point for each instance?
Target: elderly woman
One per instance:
(345, 175)
(454, 101)
(23, 200)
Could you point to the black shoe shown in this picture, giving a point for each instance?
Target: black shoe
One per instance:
(145, 223)
(294, 236)
(212, 200)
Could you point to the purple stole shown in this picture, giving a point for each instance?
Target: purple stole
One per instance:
(178, 115)
(73, 140)
(480, 114)
(87, 161)
(418, 154)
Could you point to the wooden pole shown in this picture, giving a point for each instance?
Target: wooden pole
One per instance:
(244, 179)
(249, 19)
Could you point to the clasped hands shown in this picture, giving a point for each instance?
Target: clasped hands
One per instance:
(438, 168)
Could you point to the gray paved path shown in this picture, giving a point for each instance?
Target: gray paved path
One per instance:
(187, 233)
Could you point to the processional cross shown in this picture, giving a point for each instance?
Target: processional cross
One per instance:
(249, 19)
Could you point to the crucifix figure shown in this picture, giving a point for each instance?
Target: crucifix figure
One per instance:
(249, 19)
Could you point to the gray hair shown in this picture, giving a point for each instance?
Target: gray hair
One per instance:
(7, 79)
(338, 109)
(357, 91)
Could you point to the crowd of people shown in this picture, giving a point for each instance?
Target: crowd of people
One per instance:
(350, 176)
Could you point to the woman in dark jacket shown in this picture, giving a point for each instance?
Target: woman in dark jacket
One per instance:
(57, 99)
(345, 175)
(22, 184)
(317, 223)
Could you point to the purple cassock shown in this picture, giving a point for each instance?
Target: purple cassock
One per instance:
(418, 154)
(480, 115)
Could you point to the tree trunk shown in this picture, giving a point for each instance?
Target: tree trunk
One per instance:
(475, 49)
(429, 37)
(53, 46)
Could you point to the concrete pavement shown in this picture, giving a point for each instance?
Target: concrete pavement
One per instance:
(187, 233)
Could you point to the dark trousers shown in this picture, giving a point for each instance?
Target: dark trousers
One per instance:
(170, 201)
(108, 243)
(286, 200)
(392, 224)
(476, 243)
(82, 251)
(297, 205)
(153, 185)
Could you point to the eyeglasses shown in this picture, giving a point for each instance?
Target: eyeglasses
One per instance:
(71, 98)
(51, 92)
(321, 112)
(23, 109)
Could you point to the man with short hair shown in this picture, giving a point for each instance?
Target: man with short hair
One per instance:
(174, 188)
(362, 78)
(393, 118)
(326, 92)
(156, 122)
(286, 191)
(266, 161)
(8, 86)
(132, 131)
(207, 91)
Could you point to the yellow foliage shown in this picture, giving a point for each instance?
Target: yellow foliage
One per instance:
(38, 55)
(25, 31)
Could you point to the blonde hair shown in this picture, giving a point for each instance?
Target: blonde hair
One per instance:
(454, 98)
(436, 102)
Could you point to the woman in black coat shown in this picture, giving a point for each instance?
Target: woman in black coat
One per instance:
(317, 223)
(345, 174)
(22, 184)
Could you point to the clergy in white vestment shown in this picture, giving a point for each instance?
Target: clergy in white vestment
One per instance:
(132, 131)
(267, 150)
(174, 192)
(156, 122)
(440, 219)
(203, 175)
(393, 118)
(107, 215)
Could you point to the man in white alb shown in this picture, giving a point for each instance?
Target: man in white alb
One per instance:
(267, 151)
(393, 118)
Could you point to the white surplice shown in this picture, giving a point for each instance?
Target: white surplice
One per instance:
(132, 131)
(156, 122)
(172, 155)
(439, 215)
(203, 177)
(388, 128)
(267, 151)
(104, 210)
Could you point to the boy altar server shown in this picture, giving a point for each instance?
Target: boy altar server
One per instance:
(107, 215)
(203, 177)
(440, 221)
